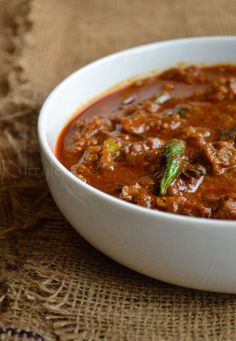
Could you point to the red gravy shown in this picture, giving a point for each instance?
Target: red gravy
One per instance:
(120, 143)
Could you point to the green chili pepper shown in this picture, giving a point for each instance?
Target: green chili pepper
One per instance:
(174, 150)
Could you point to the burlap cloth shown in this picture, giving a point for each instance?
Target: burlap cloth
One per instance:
(51, 281)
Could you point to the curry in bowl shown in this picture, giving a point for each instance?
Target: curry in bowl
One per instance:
(166, 142)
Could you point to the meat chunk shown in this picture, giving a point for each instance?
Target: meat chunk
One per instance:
(136, 152)
(136, 123)
(141, 152)
(221, 155)
(183, 184)
(138, 195)
(227, 208)
(183, 205)
(196, 136)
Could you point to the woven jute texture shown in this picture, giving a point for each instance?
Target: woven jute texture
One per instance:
(52, 282)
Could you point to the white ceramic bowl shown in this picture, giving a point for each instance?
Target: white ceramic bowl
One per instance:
(191, 252)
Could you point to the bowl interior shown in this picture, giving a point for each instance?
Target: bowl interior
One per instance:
(101, 75)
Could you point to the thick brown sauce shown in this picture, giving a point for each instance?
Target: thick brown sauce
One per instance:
(197, 105)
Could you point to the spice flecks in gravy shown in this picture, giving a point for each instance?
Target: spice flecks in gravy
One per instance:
(167, 142)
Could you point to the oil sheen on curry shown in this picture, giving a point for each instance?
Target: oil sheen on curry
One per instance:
(167, 142)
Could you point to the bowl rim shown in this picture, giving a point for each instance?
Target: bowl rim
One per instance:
(47, 151)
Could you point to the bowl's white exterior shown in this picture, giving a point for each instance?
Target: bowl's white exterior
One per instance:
(191, 252)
